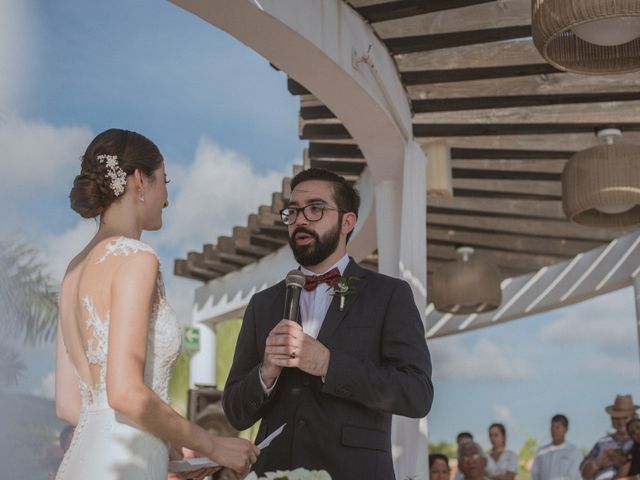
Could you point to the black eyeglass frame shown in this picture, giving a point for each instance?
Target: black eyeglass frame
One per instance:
(303, 209)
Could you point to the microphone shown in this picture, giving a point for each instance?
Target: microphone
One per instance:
(294, 282)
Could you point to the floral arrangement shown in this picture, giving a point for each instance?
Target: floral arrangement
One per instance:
(297, 474)
(345, 286)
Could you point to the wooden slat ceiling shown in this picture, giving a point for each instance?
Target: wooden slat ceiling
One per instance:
(475, 79)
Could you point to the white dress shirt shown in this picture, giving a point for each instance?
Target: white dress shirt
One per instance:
(314, 306)
(557, 462)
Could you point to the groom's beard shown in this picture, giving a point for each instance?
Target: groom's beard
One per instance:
(318, 250)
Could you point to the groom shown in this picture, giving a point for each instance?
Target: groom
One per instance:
(337, 379)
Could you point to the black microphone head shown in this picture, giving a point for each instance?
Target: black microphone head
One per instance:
(295, 278)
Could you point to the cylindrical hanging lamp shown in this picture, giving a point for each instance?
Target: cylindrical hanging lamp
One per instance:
(601, 185)
(588, 36)
(468, 285)
(439, 178)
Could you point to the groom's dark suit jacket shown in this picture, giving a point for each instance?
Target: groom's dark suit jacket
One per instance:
(379, 366)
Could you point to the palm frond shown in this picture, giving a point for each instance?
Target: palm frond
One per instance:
(28, 297)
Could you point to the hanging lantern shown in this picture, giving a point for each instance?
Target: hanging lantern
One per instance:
(468, 285)
(439, 178)
(588, 36)
(601, 185)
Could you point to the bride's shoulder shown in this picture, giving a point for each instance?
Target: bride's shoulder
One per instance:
(123, 247)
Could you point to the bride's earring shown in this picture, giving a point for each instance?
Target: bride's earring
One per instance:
(141, 197)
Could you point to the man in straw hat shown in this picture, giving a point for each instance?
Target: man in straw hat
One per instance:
(610, 452)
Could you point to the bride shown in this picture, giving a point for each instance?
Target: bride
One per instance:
(118, 338)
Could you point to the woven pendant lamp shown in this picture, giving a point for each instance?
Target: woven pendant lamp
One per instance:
(588, 36)
(468, 285)
(601, 185)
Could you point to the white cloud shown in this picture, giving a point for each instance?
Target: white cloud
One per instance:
(484, 361)
(17, 34)
(216, 192)
(607, 321)
(47, 387)
(60, 249)
(38, 156)
(502, 413)
(606, 328)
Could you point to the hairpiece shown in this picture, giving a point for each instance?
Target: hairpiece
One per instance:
(117, 176)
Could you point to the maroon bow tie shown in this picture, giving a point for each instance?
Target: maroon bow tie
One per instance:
(331, 278)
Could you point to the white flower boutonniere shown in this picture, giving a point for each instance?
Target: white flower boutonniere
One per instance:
(297, 474)
(346, 286)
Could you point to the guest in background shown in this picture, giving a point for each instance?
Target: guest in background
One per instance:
(472, 461)
(558, 460)
(439, 467)
(632, 467)
(461, 438)
(502, 464)
(610, 452)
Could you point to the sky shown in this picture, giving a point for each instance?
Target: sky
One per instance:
(227, 127)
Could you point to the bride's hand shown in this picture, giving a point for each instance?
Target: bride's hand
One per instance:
(178, 453)
(175, 452)
(236, 453)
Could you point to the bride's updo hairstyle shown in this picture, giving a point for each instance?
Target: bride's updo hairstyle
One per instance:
(94, 189)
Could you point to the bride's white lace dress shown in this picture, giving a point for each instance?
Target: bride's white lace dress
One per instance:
(105, 445)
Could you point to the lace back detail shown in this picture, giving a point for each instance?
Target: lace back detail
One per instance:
(125, 246)
(96, 353)
(163, 342)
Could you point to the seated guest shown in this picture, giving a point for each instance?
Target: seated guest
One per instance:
(559, 459)
(610, 452)
(502, 464)
(439, 467)
(472, 461)
(632, 467)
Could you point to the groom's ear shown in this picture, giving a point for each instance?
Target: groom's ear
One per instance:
(348, 222)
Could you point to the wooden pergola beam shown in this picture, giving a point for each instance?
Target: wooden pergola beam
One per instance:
(423, 43)
(407, 8)
(509, 242)
(512, 101)
(518, 208)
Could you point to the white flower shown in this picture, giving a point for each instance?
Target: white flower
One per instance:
(117, 176)
(297, 474)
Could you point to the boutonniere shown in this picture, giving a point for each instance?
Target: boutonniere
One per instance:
(345, 286)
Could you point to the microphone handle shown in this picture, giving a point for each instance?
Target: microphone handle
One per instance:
(292, 303)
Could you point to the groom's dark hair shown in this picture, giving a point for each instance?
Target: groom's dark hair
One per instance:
(345, 195)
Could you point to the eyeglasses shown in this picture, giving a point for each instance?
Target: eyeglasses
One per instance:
(468, 458)
(312, 212)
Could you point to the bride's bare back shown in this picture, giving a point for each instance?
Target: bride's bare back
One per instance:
(85, 307)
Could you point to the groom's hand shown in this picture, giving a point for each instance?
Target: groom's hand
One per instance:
(269, 370)
(289, 346)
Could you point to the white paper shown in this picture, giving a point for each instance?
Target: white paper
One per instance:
(189, 464)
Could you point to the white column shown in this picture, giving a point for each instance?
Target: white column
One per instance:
(409, 435)
(202, 368)
(636, 291)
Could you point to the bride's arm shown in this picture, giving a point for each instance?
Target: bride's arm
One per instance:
(132, 295)
(68, 400)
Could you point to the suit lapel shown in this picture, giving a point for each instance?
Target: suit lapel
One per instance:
(334, 315)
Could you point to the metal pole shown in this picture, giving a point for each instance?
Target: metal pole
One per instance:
(636, 292)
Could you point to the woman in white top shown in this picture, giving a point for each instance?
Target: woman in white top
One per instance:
(118, 338)
(502, 464)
